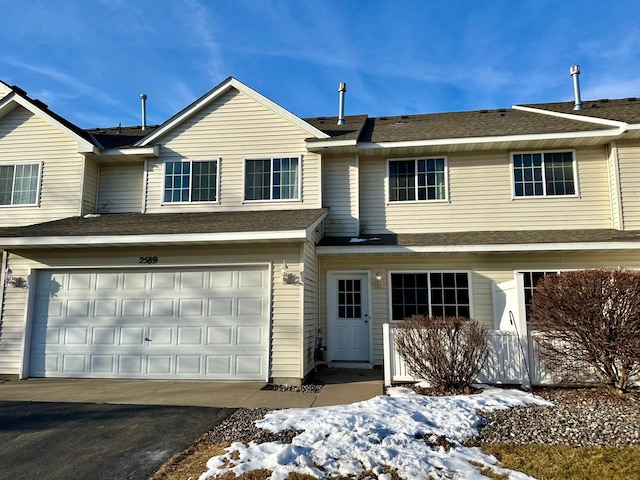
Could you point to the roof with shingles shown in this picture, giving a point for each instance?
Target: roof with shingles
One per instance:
(479, 123)
(510, 237)
(350, 130)
(621, 110)
(123, 224)
(114, 137)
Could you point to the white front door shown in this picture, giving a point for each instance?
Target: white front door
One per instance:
(349, 318)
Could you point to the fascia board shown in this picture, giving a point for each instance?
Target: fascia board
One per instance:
(313, 146)
(106, 240)
(516, 247)
(580, 118)
(497, 139)
(315, 224)
(217, 92)
(153, 151)
(83, 145)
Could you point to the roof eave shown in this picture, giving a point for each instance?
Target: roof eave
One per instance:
(489, 139)
(481, 248)
(15, 243)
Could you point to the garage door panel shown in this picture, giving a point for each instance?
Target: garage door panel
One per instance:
(103, 364)
(104, 336)
(220, 336)
(208, 323)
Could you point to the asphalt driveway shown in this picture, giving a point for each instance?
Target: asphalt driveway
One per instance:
(79, 441)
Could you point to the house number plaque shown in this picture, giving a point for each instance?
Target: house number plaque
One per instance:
(148, 260)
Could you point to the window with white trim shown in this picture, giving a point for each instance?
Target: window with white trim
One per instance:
(543, 174)
(191, 181)
(272, 179)
(435, 294)
(19, 184)
(417, 179)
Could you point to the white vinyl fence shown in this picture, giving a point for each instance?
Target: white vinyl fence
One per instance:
(511, 360)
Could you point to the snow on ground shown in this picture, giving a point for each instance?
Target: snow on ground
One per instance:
(397, 431)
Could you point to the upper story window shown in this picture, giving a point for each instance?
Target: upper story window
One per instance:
(191, 181)
(19, 184)
(417, 179)
(543, 174)
(272, 179)
(438, 294)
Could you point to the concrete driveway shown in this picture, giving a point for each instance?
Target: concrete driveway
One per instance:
(79, 441)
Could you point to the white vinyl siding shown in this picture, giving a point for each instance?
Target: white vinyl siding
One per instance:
(340, 195)
(27, 139)
(90, 186)
(484, 271)
(613, 178)
(481, 199)
(310, 284)
(629, 171)
(120, 188)
(234, 128)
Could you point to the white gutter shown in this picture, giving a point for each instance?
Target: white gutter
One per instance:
(496, 139)
(153, 151)
(106, 240)
(511, 247)
(312, 146)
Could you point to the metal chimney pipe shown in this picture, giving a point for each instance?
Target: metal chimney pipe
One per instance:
(575, 73)
(143, 98)
(342, 88)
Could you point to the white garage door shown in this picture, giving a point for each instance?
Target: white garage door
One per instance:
(156, 323)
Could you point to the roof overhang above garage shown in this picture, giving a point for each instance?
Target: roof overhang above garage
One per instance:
(126, 229)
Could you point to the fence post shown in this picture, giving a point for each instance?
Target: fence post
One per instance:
(387, 345)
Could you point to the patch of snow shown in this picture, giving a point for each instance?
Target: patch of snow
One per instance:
(360, 240)
(91, 215)
(384, 431)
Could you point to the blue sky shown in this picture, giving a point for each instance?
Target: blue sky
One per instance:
(89, 60)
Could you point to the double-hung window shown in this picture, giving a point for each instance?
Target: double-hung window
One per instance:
(191, 181)
(438, 294)
(272, 179)
(19, 184)
(543, 174)
(417, 179)
(530, 280)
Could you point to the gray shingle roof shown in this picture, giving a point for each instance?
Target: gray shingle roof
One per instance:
(115, 137)
(123, 224)
(350, 130)
(519, 237)
(623, 110)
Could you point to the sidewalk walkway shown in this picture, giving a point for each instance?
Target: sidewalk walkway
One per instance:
(341, 386)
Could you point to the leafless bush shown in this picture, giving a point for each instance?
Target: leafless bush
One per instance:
(590, 320)
(447, 352)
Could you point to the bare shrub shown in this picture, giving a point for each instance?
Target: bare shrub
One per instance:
(590, 318)
(448, 352)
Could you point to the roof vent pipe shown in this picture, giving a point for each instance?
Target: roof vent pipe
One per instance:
(342, 88)
(143, 98)
(575, 73)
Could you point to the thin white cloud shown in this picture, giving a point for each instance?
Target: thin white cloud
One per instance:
(201, 25)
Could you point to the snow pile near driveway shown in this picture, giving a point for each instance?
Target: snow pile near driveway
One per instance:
(404, 431)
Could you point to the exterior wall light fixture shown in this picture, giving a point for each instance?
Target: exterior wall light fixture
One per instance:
(284, 271)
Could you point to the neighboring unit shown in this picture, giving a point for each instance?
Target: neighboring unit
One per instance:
(234, 239)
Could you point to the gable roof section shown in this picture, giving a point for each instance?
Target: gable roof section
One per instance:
(166, 228)
(19, 97)
(217, 92)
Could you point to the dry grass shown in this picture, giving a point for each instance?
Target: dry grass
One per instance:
(552, 462)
